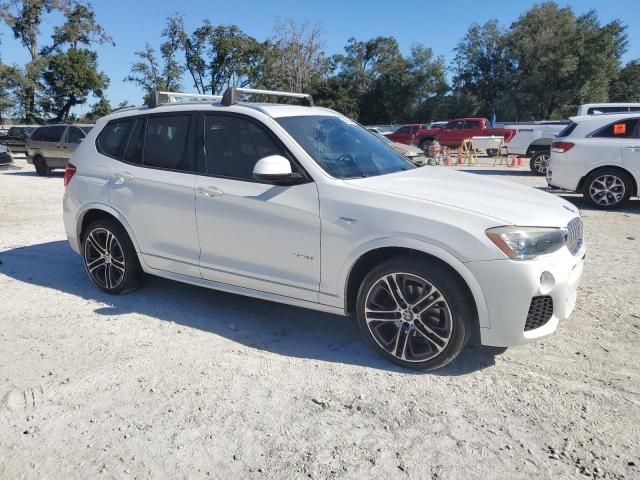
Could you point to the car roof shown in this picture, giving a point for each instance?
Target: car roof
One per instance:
(274, 110)
(605, 117)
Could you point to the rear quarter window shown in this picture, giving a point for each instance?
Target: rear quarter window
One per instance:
(629, 128)
(38, 134)
(111, 140)
(568, 130)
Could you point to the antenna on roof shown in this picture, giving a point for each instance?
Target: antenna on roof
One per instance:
(232, 95)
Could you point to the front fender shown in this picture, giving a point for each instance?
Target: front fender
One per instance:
(425, 247)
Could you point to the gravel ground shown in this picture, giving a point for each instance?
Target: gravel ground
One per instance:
(176, 381)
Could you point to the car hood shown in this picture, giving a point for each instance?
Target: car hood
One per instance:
(507, 202)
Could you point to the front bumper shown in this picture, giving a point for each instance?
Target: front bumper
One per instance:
(510, 285)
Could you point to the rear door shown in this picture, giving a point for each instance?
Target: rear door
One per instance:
(631, 146)
(152, 185)
(51, 146)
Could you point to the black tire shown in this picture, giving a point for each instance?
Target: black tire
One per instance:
(615, 185)
(41, 167)
(119, 271)
(451, 314)
(539, 162)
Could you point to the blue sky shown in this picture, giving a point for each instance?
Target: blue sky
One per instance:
(439, 25)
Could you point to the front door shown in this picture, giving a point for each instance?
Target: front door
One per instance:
(252, 234)
(631, 147)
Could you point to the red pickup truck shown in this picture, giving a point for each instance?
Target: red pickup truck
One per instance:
(457, 130)
(406, 134)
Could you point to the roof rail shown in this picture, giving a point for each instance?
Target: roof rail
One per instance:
(158, 98)
(232, 94)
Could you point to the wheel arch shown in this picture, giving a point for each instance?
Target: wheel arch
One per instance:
(94, 212)
(581, 183)
(540, 144)
(376, 252)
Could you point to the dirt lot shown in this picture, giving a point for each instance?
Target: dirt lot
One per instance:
(175, 381)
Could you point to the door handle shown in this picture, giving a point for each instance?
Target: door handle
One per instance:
(121, 177)
(210, 191)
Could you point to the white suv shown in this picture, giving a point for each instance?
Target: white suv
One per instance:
(598, 156)
(300, 205)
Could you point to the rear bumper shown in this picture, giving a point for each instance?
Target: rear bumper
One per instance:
(509, 287)
(563, 174)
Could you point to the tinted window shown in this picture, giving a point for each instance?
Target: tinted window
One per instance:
(629, 128)
(234, 145)
(568, 130)
(112, 138)
(403, 130)
(472, 124)
(38, 134)
(603, 109)
(133, 152)
(166, 142)
(54, 134)
(74, 135)
(86, 129)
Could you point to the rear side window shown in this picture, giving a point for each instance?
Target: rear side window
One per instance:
(133, 152)
(568, 130)
(111, 140)
(629, 128)
(166, 143)
(472, 124)
(38, 134)
(54, 134)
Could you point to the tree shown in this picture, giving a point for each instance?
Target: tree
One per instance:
(483, 65)
(11, 78)
(150, 75)
(626, 86)
(70, 77)
(24, 18)
(427, 81)
(99, 109)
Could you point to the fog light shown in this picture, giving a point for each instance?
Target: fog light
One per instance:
(547, 282)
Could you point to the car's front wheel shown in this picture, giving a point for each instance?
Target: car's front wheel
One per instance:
(607, 188)
(109, 256)
(415, 312)
(539, 162)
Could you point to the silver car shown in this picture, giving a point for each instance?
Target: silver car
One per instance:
(51, 146)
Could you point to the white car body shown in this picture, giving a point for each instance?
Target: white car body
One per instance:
(568, 170)
(532, 137)
(299, 244)
(607, 108)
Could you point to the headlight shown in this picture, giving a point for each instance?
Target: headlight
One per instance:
(524, 243)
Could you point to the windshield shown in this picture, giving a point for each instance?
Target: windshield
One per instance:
(343, 148)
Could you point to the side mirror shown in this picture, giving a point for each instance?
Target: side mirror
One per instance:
(277, 170)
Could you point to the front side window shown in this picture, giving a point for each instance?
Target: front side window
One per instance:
(403, 131)
(233, 146)
(74, 135)
(629, 128)
(459, 125)
(54, 133)
(166, 143)
(342, 148)
(472, 124)
(112, 138)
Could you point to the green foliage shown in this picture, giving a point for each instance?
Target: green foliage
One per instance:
(99, 109)
(69, 78)
(626, 87)
(150, 75)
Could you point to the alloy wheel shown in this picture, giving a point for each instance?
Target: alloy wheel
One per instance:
(104, 258)
(408, 317)
(541, 163)
(607, 190)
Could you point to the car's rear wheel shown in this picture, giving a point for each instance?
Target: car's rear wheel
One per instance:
(109, 257)
(415, 312)
(41, 167)
(539, 162)
(607, 188)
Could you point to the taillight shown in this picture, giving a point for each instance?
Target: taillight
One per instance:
(561, 147)
(68, 173)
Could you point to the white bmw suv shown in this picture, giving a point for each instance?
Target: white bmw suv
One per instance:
(300, 205)
(598, 156)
